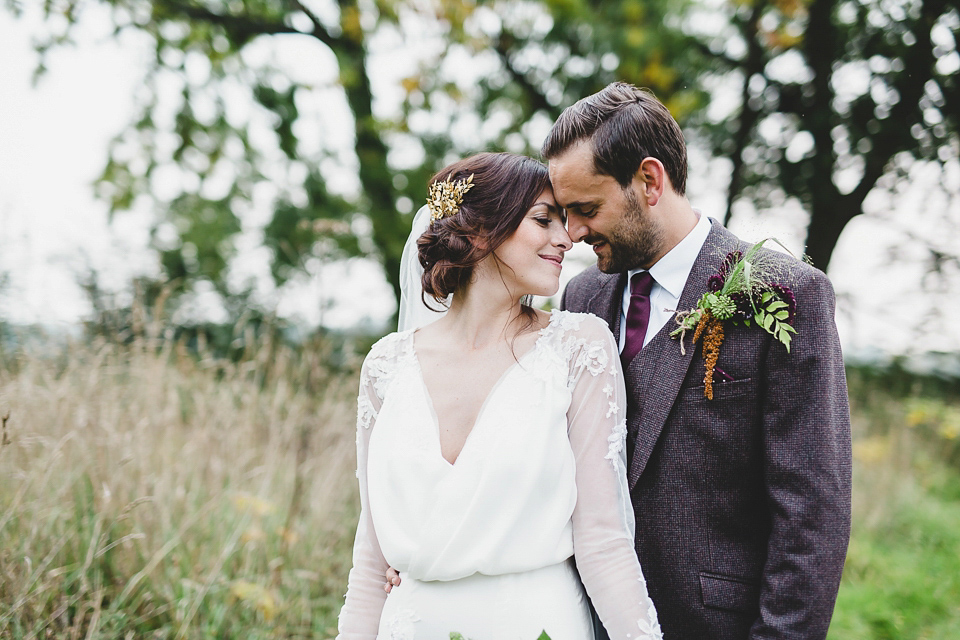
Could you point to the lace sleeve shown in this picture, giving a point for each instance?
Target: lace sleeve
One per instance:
(603, 521)
(360, 615)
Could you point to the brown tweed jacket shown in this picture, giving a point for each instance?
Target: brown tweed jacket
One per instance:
(742, 502)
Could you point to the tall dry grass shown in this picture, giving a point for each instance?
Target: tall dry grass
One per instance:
(149, 493)
(146, 492)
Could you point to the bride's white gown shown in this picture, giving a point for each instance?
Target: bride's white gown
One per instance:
(484, 545)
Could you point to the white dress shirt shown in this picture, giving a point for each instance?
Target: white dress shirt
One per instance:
(669, 274)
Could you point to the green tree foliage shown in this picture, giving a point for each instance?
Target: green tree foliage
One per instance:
(491, 74)
(836, 98)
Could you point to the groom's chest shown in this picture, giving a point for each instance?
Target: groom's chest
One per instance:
(661, 373)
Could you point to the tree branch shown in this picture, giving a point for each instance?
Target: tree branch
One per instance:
(748, 116)
(241, 27)
(503, 46)
(707, 52)
(919, 59)
(319, 31)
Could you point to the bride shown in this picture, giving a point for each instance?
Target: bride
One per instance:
(490, 442)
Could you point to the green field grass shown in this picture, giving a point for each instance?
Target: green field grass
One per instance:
(902, 576)
(146, 492)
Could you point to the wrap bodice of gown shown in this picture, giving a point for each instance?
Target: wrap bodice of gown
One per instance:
(539, 479)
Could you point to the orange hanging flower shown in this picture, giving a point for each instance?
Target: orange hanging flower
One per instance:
(711, 329)
(741, 292)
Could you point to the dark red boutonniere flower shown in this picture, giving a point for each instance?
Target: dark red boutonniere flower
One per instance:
(739, 293)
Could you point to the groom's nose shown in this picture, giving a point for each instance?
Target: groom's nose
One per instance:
(576, 227)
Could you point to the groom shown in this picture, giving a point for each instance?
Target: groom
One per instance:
(742, 501)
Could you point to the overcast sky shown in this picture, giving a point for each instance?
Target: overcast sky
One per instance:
(53, 142)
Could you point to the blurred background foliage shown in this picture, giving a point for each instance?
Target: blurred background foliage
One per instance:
(819, 102)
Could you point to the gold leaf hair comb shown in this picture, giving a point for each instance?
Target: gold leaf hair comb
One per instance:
(445, 197)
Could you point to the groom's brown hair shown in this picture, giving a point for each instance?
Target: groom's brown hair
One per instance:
(626, 124)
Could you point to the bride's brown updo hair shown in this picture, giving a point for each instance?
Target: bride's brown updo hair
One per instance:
(505, 186)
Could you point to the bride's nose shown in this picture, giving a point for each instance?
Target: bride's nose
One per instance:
(562, 240)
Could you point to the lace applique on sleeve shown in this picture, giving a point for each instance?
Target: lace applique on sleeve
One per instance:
(649, 626)
(365, 411)
(593, 356)
(360, 615)
(603, 520)
(384, 360)
(617, 439)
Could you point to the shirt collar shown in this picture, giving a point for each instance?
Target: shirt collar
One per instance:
(672, 270)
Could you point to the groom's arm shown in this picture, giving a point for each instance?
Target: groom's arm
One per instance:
(807, 470)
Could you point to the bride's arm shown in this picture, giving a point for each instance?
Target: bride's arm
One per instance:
(360, 615)
(603, 521)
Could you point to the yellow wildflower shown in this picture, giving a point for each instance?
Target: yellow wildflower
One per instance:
(871, 450)
(255, 596)
(247, 503)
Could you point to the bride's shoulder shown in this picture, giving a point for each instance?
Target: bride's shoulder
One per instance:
(390, 343)
(581, 325)
(576, 336)
(386, 351)
(583, 340)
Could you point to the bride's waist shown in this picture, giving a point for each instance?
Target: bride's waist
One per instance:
(499, 606)
(446, 566)
(455, 557)
(563, 570)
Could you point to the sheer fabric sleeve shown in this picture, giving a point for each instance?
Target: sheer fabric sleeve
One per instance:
(603, 520)
(360, 615)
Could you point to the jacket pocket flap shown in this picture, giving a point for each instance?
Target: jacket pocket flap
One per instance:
(725, 592)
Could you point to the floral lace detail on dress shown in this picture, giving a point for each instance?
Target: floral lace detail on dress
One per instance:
(561, 322)
(365, 411)
(594, 357)
(401, 624)
(616, 441)
(382, 364)
(650, 626)
(562, 334)
(613, 409)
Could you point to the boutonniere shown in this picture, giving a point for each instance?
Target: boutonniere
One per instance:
(741, 292)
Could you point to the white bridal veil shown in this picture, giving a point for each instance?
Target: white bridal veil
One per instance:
(413, 312)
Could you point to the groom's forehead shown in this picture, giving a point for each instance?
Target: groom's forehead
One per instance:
(574, 178)
(575, 164)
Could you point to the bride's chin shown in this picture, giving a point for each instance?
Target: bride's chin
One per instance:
(545, 292)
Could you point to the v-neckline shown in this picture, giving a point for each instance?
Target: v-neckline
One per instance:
(483, 406)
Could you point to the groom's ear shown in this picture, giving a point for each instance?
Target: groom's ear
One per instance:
(652, 179)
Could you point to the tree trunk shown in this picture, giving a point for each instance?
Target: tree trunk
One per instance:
(827, 221)
(389, 228)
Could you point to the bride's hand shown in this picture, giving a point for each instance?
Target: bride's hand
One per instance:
(393, 579)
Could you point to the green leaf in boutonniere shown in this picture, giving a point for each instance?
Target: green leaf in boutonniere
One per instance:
(742, 292)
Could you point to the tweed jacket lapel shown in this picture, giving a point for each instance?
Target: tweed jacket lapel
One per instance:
(605, 301)
(671, 364)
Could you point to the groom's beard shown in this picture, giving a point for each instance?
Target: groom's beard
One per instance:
(634, 242)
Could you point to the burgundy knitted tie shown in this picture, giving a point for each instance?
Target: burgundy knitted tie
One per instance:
(638, 315)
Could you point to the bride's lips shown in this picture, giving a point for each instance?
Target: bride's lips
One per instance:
(554, 259)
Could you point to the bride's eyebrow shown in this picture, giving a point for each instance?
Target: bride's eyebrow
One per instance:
(550, 207)
(554, 209)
